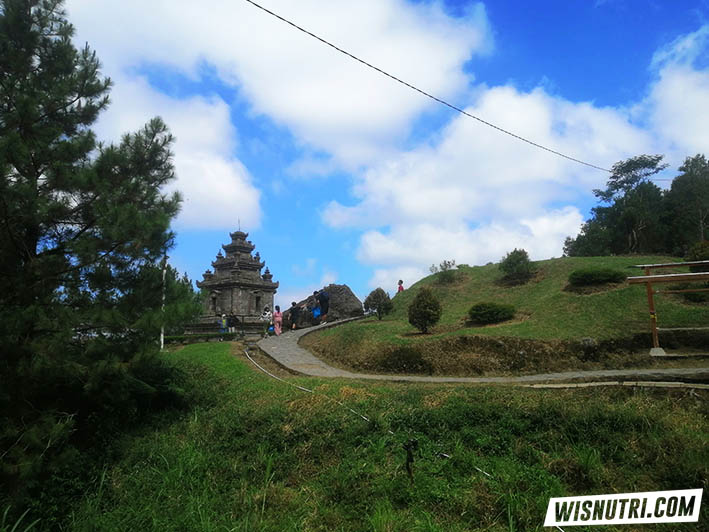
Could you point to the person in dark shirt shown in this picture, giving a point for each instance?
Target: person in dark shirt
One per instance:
(324, 300)
(294, 313)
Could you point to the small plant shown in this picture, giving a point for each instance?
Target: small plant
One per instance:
(447, 265)
(447, 271)
(517, 267)
(378, 300)
(595, 276)
(405, 359)
(699, 251)
(425, 310)
(486, 313)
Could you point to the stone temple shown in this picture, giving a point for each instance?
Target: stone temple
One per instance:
(236, 288)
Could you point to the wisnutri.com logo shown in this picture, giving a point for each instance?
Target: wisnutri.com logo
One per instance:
(625, 508)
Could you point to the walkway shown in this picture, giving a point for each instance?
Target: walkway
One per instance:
(285, 350)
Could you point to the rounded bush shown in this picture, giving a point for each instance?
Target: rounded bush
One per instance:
(595, 276)
(486, 313)
(378, 300)
(517, 267)
(425, 310)
(699, 251)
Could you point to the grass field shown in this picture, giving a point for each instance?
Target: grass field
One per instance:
(252, 453)
(545, 335)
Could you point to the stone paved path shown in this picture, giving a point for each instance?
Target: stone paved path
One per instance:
(285, 350)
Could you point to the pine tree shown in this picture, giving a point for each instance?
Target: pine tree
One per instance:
(80, 225)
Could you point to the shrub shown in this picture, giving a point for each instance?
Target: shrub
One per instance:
(517, 267)
(447, 265)
(595, 276)
(379, 301)
(485, 313)
(425, 310)
(447, 271)
(203, 337)
(405, 360)
(692, 297)
(699, 251)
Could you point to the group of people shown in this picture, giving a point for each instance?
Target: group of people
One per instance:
(227, 324)
(318, 310)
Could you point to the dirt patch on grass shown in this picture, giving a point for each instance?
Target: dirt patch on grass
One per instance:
(263, 360)
(354, 394)
(438, 399)
(480, 355)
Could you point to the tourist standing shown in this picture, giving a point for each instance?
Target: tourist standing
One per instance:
(277, 321)
(400, 288)
(323, 299)
(294, 313)
(223, 324)
(267, 319)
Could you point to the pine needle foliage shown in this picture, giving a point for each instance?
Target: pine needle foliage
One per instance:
(517, 267)
(84, 227)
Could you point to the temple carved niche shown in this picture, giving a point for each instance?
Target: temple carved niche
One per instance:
(236, 287)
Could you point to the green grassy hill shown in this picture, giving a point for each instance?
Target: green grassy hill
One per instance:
(550, 320)
(252, 453)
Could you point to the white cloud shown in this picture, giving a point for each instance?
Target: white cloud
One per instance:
(328, 277)
(216, 188)
(285, 296)
(387, 278)
(474, 173)
(468, 193)
(421, 245)
(474, 194)
(425, 244)
(324, 98)
(678, 103)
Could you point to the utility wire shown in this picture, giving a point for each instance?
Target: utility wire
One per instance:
(458, 109)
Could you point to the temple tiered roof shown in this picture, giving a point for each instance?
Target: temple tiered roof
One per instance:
(236, 286)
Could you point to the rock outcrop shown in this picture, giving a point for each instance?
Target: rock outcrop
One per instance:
(343, 304)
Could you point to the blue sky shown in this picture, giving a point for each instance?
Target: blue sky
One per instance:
(342, 175)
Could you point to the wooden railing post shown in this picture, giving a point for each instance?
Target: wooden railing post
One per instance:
(653, 314)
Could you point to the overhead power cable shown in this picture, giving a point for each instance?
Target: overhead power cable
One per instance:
(428, 95)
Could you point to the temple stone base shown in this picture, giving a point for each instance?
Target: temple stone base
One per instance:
(249, 326)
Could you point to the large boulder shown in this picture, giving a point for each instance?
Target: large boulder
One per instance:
(343, 304)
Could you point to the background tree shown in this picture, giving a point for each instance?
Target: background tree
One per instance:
(82, 228)
(379, 301)
(633, 219)
(593, 240)
(635, 205)
(424, 310)
(688, 205)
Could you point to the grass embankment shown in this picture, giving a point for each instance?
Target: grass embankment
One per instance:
(547, 333)
(256, 454)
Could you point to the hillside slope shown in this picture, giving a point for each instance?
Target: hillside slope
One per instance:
(551, 329)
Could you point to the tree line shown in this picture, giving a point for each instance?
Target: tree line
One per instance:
(635, 215)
